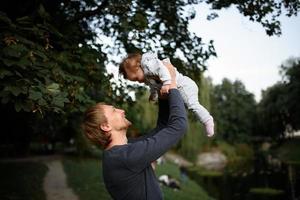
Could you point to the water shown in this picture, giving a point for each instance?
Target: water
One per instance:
(254, 183)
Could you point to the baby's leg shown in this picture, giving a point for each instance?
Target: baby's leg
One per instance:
(189, 92)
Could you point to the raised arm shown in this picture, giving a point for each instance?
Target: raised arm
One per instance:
(162, 120)
(163, 108)
(140, 154)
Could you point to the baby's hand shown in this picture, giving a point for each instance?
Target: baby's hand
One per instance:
(165, 89)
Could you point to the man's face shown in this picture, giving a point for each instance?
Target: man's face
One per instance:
(116, 118)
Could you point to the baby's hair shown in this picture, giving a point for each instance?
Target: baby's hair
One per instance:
(127, 62)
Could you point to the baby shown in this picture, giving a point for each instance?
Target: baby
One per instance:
(148, 69)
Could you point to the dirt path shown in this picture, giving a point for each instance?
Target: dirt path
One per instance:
(55, 183)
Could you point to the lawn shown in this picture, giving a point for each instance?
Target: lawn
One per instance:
(290, 151)
(22, 181)
(85, 177)
(190, 190)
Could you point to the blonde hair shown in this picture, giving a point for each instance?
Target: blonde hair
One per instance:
(93, 118)
(127, 62)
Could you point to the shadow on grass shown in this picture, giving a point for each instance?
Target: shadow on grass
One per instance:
(22, 181)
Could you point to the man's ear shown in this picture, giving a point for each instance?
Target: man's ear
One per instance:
(105, 127)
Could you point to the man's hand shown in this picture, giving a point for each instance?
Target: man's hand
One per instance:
(165, 89)
(172, 71)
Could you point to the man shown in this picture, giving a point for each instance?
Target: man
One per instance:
(127, 167)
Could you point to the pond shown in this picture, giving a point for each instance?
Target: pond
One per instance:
(255, 183)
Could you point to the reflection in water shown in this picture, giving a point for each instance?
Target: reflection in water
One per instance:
(262, 181)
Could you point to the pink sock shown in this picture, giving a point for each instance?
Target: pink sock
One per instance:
(209, 127)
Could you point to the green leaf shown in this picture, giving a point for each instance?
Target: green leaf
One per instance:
(13, 89)
(40, 54)
(58, 101)
(4, 18)
(53, 88)
(35, 95)
(15, 50)
(23, 105)
(6, 97)
(22, 63)
(4, 72)
(25, 41)
(24, 20)
(8, 62)
(42, 12)
(42, 102)
(18, 74)
(18, 106)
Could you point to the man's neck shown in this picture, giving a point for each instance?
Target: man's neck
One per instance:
(118, 138)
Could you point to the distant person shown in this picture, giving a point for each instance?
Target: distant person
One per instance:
(127, 170)
(169, 181)
(148, 69)
(183, 173)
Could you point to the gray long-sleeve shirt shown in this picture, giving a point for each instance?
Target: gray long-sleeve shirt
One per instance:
(127, 168)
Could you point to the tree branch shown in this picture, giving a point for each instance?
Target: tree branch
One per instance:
(90, 13)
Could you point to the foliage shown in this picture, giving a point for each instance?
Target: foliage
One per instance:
(289, 151)
(264, 12)
(272, 111)
(23, 180)
(291, 79)
(43, 71)
(279, 109)
(52, 59)
(234, 110)
(54, 53)
(142, 113)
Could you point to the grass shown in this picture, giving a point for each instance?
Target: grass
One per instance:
(22, 181)
(85, 177)
(190, 190)
(266, 191)
(290, 150)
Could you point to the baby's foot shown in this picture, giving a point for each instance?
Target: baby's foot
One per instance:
(209, 127)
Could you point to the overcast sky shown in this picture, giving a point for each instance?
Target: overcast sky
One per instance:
(245, 52)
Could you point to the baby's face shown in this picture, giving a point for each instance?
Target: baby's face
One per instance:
(135, 73)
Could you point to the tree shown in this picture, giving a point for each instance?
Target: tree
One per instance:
(53, 61)
(264, 12)
(272, 111)
(279, 109)
(234, 110)
(291, 78)
(43, 66)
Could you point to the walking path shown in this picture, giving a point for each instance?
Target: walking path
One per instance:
(55, 183)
